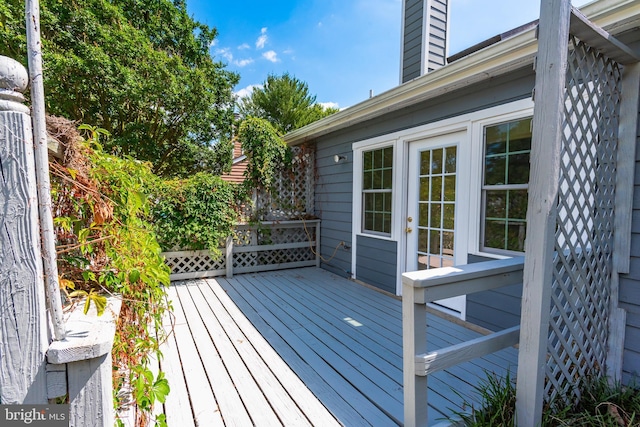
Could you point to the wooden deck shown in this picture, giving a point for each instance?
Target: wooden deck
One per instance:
(301, 347)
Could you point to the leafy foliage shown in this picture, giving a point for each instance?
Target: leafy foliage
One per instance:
(265, 150)
(195, 213)
(140, 69)
(602, 403)
(105, 242)
(285, 102)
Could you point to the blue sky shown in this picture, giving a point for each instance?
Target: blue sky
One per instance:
(341, 48)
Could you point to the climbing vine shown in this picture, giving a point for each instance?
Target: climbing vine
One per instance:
(106, 245)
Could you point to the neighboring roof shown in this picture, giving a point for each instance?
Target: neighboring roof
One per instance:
(512, 52)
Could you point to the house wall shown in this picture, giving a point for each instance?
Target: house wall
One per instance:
(334, 185)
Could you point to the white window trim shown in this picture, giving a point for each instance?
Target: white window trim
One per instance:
(471, 161)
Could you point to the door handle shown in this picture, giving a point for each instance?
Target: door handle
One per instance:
(408, 230)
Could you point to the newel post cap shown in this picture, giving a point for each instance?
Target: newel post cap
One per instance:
(14, 80)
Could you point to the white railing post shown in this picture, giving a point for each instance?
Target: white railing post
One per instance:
(548, 113)
(229, 256)
(318, 257)
(23, 321)
(414, 342)
(86, 352)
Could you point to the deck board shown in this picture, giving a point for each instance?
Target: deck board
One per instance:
(300, 347)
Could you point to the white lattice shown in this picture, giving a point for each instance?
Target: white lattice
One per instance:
(577, 343)
(292, 194)
(255, 248)
(193, 262)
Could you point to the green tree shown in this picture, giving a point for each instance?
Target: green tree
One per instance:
(140, 69)
(285, 102)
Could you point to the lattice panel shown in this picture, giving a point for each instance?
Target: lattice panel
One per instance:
(269, 236)
(194, 262)
(584, 231)
(293, 192)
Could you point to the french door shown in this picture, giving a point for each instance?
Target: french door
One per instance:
(432, 207)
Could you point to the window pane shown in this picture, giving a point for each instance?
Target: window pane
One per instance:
(387, 202)
(436, 215)
(387, 179)
(423, 221)
(377, 159)
(494, 170)
(367, 180)
(520, 135)
(386, 223)
(518, 168)
(379, 202)
(368, 160)
(436, 188)
(388, 157)
(377, 222)
(450, 160)
(496, 204)
(368, 201)
(425, 162)
(495, 139)
(423, 262)
(449, 216)
(450, 188)
(377, 179)
(368, 220)
(518, 204)
(494, 234)
(516, 235)
(436, 161)
(434, 242)
(447, 243)
(424, 189)
(423, 240)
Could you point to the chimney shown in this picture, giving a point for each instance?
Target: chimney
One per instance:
(424, 37)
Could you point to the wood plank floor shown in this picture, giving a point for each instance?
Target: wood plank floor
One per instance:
(301, 347)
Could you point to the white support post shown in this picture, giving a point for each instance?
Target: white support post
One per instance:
(627, 140)
(229, 256)
(551, 70)
(318, 257)
(414, 342)
(23, 317)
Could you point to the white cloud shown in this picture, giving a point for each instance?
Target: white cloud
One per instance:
(213, 43)
(288, 51)
(244, 92)
(270, 55)
(329, 105)
(244, 46)
(225, 53)
(243, 62)
(262, 40)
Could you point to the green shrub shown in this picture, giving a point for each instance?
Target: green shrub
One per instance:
(195, 213)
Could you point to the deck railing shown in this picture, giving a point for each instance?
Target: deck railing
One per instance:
(422, 287)
(270, 245)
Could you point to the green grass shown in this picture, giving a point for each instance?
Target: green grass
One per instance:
(602, 404)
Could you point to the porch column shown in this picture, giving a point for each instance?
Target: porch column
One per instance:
(548, 113)
(23, 326)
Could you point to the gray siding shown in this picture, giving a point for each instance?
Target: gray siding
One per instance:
(376, 262)
(334, 181)
(412, 39)
(333, 199)
(494, 310)
(413, 28)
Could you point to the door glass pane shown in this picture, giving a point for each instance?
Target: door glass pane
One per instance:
(437, 193)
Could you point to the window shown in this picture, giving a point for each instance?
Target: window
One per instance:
(377, 186)
(507, 149)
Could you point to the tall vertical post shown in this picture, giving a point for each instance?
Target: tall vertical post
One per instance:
(34, 49)
(23, 326)
(548, 113)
